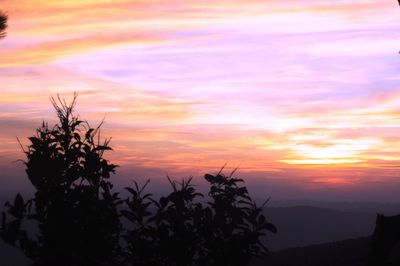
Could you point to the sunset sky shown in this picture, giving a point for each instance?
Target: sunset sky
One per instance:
(302, 96)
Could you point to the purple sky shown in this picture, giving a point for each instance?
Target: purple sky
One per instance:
(303, 96)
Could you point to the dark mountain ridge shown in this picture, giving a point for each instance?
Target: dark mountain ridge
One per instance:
(350, 206)
(350, 252)
(304, 225)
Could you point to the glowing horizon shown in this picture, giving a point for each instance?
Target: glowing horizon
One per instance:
(305, 92)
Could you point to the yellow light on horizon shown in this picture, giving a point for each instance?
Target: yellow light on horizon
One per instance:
(339, 151)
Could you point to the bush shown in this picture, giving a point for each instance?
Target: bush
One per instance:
(73, 206)
(178, 230)
(78, 217)
(3, 24)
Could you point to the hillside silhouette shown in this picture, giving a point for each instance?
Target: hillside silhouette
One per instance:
(380, 249)
(385, 208)
(301, 226)
(350, 252)
(77, 217)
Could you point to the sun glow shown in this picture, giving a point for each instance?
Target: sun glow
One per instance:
(340, 151)
(277, 88)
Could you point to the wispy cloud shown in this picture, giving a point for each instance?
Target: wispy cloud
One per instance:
(305, 91)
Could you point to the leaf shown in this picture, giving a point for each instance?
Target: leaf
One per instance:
(88, 134)
(270, 227)
(35, 142)
(132, 191)
(77, 136)
(163, 202)
(209, 178)
(261, 219)
(102, 148)
(19, 202)
(3, 220)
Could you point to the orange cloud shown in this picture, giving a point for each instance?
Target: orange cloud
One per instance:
(48, 52)
(286, 91)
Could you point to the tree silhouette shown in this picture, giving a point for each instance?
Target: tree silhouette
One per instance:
(78, 217)
(385, 242)
(73, 207)
(3, 24)
(179, 230)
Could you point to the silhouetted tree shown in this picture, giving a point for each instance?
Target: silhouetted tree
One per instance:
(236, 223)
(74, 209)
(385, 242)
(180, 230)
(3, 24)
(78, 219)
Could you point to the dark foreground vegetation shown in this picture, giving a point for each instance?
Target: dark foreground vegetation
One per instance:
(75, 217)
(3, 24)
(78, 218)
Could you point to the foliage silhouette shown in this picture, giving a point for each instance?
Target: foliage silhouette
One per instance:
(385, 242)
(183, 231)
(78, 217)
(74, 209)
(3, 24)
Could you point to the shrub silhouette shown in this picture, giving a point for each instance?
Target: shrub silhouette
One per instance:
(73, 207)
(78, 217)
(182, 231)
(385, 242)
(3, 24)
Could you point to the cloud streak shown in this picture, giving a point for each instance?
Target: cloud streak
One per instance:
(304, 92)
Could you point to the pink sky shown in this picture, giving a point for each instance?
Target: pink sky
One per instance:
(303, 96)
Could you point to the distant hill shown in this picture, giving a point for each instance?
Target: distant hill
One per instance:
(303, 226)
(351, 252)
(371, 207)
